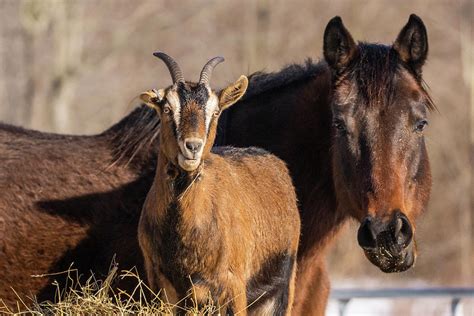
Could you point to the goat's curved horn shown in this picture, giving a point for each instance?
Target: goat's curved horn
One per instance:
(173, 67)
(208, 68)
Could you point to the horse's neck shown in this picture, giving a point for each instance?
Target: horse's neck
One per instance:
(294, 122)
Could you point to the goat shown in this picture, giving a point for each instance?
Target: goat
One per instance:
(221, 224)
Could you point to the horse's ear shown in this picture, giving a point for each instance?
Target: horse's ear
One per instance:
(339, 46)
(412, 43)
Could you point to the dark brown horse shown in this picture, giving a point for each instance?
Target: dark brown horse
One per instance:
(350, 130)
(70, 199)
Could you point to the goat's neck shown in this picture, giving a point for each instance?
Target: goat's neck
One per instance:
(171, 181)
(177, 191)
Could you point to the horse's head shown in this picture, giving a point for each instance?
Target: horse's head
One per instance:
(381, 168)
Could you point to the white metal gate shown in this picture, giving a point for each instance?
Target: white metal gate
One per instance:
(344, 296)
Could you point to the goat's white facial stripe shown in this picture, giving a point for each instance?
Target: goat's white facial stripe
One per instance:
(212, 105)
(173, 101)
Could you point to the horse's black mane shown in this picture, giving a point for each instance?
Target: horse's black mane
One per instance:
(135, 137)
(261, 82)
(374, 71)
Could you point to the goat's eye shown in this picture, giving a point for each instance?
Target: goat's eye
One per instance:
(421, 125)
(216, 113)
(339, 125)
(166, 109)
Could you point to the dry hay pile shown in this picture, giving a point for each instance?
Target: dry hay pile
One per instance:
(97, 297)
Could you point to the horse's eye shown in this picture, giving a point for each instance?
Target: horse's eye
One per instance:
(339, 125)
(420, 125)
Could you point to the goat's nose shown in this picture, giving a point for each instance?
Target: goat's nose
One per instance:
(193, 145)
(366, 236)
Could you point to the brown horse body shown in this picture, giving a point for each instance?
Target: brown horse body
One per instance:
(63, 201)
(350, 131)
(290, 113)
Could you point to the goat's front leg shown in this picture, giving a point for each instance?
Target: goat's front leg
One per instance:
(291, 290)
(238, 299)
(147, 252)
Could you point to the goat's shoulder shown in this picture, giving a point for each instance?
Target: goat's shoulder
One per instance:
(231, 152)
(250, 157)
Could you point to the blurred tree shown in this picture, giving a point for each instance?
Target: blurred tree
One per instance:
(52, 87)
(467, 57)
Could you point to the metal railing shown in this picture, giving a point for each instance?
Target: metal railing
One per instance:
(344, 296)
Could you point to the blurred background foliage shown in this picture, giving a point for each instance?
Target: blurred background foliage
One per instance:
(77, 67)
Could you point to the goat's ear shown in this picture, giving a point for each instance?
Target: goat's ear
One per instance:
(339, 46)
(233, 93)
(152, 98)
(412, 43)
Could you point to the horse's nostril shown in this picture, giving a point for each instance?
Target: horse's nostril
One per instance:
(366, 235)
(194, 146)
(403, 232)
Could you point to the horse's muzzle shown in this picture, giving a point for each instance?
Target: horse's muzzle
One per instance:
(388, 244)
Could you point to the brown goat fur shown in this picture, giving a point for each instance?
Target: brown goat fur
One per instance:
(229, 227)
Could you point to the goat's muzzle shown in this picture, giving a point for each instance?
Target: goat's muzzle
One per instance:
(191, 152)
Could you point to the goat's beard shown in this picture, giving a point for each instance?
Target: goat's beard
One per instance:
(188, 164)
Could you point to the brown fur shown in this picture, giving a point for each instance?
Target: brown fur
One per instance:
(217, 227)
(289, 113)
(64, 200)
